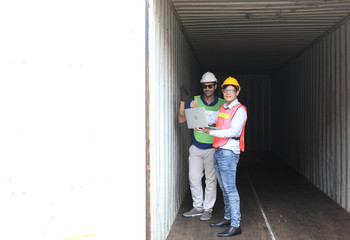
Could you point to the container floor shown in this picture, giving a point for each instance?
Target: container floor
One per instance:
(293, 207)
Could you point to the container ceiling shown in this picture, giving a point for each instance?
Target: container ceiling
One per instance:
(255, 36)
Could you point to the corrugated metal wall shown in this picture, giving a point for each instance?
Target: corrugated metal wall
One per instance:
(311, 115)
(301, 113)
(256, 96)
(171, 63)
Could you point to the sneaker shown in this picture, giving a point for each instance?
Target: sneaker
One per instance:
(205, 216)
(194, 212)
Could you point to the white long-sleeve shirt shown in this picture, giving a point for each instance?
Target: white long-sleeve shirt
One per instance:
(235, 129)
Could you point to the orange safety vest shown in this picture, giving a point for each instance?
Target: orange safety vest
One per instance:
(223, 122)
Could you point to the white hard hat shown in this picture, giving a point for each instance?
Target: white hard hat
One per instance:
(208, 77)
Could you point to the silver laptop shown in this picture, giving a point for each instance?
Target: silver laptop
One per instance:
(196, 118)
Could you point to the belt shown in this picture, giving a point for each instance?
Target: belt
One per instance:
(223, 149)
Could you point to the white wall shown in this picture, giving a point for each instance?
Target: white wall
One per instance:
(72, 124)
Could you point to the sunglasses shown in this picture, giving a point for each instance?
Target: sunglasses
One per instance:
(210, 86)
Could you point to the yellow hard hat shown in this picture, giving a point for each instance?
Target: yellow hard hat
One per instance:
(231, 81)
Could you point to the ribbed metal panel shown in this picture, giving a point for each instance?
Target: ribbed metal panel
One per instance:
(256, 96)
(171, 63)
(307, 99)
(311, 115)
(255, 36)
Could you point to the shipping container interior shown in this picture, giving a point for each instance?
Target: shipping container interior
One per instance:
(292, 59)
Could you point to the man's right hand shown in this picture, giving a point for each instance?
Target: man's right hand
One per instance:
(194, 103)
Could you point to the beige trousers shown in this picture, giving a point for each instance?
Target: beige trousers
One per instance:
(201, 163)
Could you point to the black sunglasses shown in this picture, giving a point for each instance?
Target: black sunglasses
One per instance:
(207, 86)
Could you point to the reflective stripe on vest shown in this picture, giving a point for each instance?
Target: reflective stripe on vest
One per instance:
(204, 137)
(224, 121)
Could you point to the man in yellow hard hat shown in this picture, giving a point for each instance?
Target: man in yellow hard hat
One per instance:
(201, 152)
(229, 142)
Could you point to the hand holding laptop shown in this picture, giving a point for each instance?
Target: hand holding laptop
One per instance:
(203, 129)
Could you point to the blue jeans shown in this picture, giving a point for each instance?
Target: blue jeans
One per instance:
(225, 164)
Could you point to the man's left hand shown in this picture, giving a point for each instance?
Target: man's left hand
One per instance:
(200, 129)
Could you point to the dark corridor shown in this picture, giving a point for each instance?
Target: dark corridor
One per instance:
(294, 208)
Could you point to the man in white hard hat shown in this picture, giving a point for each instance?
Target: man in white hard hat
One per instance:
(201, 160)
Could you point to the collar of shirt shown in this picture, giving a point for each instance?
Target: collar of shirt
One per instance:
(234, 103)
(216, 99)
